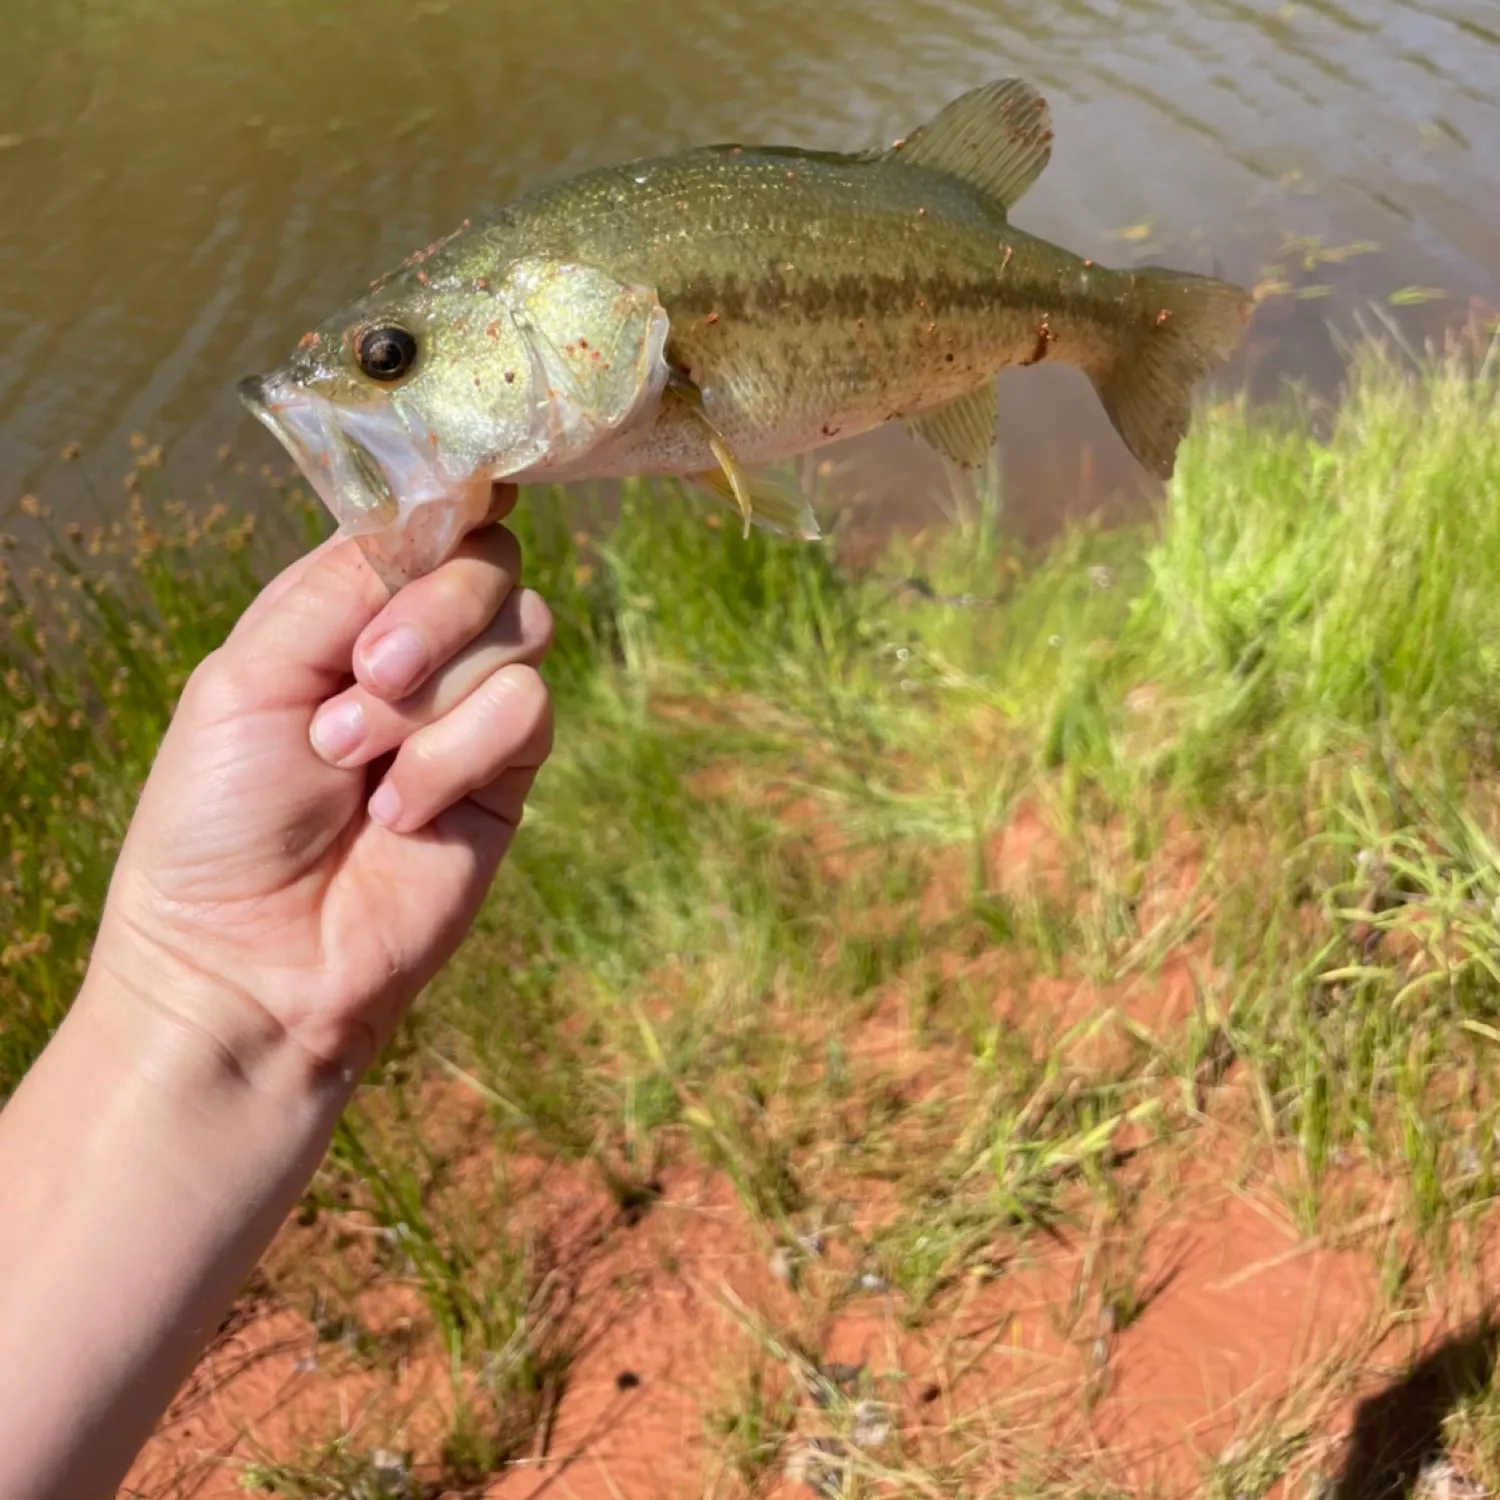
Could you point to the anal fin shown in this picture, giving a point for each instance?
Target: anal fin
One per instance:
(963, 430)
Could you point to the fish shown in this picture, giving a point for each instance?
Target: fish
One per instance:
(710, 314)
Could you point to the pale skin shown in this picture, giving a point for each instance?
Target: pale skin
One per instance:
(276, 907)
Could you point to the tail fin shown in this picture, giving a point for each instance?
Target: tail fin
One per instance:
(1188, 324)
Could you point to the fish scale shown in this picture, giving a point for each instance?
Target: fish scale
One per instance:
(811, 299)
(782, 304)
(808, 296)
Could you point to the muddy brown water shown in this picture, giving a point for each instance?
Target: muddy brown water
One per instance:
(185, 185)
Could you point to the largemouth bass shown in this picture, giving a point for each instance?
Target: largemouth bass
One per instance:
(710, 313)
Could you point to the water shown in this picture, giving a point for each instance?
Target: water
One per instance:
(186, 185)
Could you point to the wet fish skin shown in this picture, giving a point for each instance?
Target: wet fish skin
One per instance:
(812, 299)
(809, 297)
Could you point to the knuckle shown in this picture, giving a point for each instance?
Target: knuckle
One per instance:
(420, 761)
(341, 570)
(470, 595)
(517, 704)
(527, 691)
(503, 497)
(219, 688)
(495, 546)
(543, 735)
(533, 707)
(458, 601)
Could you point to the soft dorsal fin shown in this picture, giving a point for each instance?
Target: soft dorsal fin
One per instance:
(998, 137)
(962, 430)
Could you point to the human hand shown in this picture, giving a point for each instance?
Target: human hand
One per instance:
(284, 878)
(278, 902)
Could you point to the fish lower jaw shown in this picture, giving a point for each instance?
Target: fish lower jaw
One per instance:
(425, 532)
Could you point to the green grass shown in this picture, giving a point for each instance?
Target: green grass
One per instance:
(777, 782)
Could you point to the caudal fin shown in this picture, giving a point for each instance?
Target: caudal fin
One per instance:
(1188, 324)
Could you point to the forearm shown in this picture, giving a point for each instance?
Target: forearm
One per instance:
(145, 1166)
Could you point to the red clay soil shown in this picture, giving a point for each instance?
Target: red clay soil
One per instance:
(1241, 1311)
(647, 1313)
(1242, 1317)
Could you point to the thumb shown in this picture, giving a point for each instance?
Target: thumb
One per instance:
(296, 642)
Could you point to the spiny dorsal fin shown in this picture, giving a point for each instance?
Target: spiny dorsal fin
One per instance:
(998, 137)
(963, 431)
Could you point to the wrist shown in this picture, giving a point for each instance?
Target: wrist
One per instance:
(148, 1158)
(204, 1084)
(186, 1026)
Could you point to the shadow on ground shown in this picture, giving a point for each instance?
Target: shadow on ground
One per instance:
(1398, 1431)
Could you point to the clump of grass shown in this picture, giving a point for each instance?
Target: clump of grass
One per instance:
(1333, 596)
(336, 1470)
(748, 1424)
(494, 1301)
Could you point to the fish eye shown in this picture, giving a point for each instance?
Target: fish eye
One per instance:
(386, 353)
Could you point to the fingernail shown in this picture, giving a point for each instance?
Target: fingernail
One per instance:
(396, 660)
(385, 805)
(337, 729)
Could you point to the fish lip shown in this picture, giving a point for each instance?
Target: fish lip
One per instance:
(366, 465)
(252, 392)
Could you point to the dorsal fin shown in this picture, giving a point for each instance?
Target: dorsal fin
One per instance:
(998, 138)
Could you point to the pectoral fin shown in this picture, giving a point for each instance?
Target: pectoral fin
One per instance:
(735, 481)
(773, 503)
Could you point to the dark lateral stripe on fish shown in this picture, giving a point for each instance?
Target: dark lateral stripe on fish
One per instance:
(880, 296)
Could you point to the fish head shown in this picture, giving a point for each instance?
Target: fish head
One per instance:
(403, 409)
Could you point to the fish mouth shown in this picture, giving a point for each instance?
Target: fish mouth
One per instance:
(366, 463)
